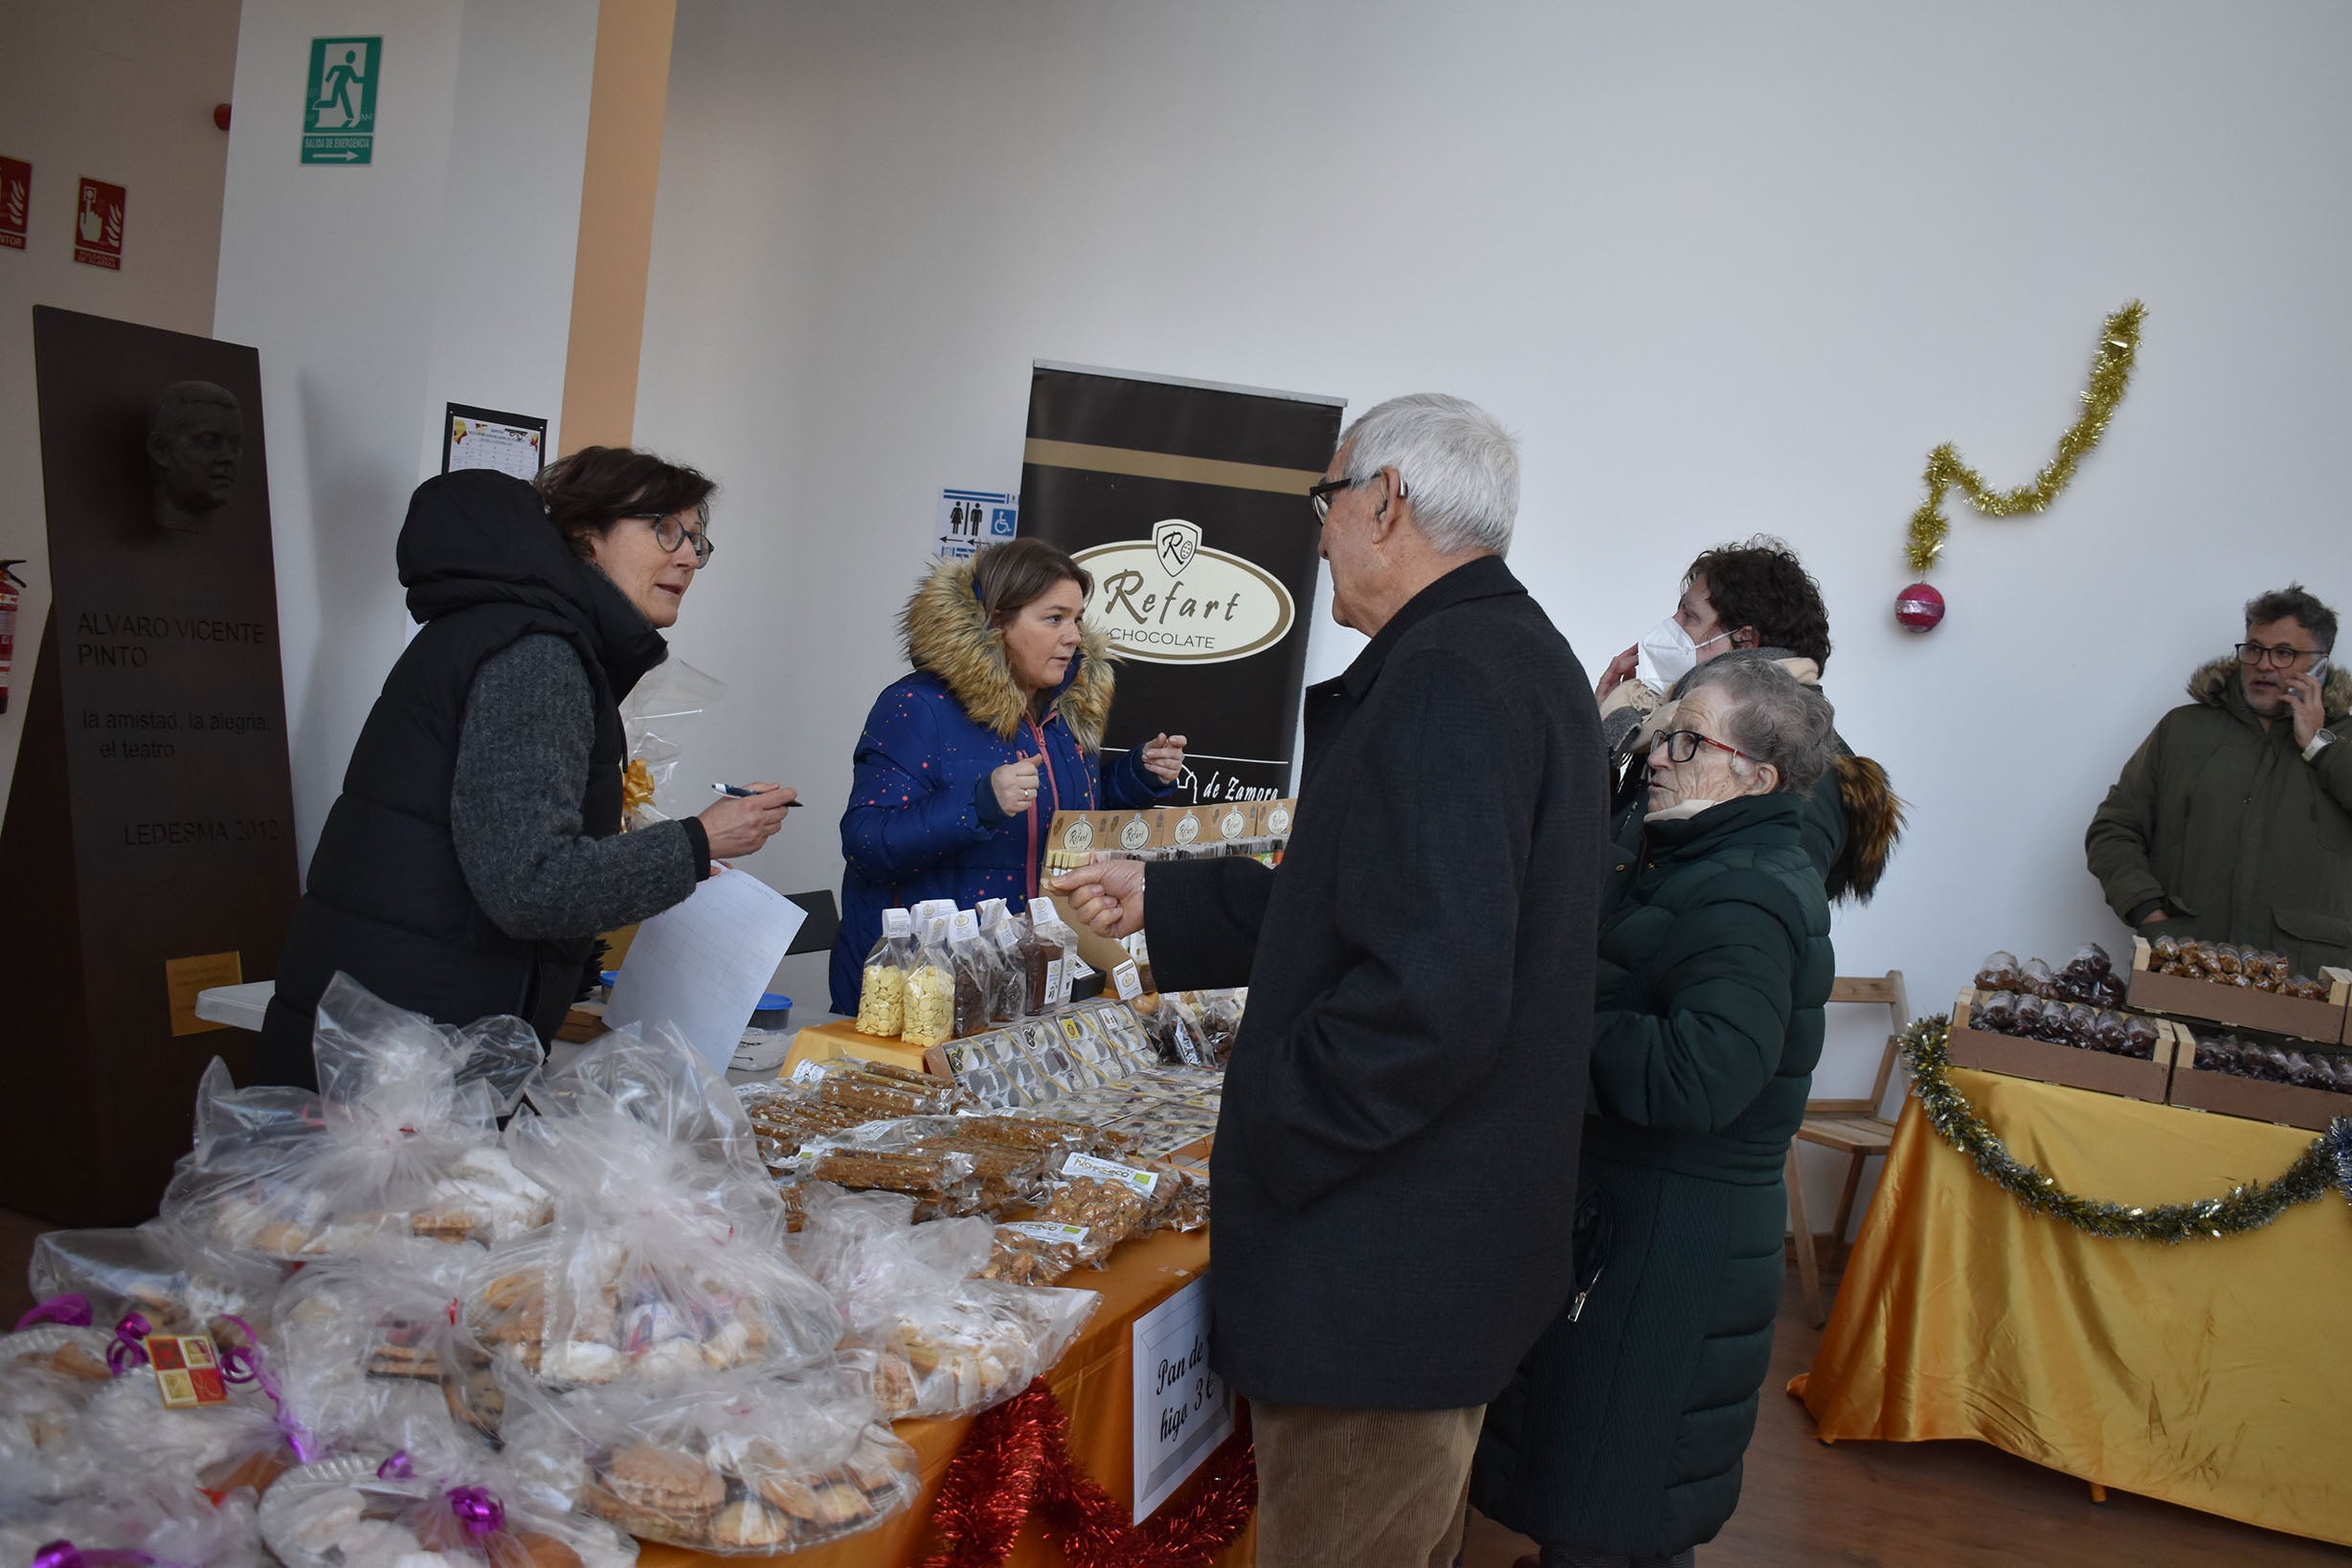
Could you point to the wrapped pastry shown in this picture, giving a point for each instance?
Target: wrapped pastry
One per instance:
(138, 1517)
(1999, 972)
(735, 1466)
(178, 1281)
(1004, 934)
(2140, 1036)
(1996, 1014)
(2035, 976)
(367, 1350)
(401, 1138)
(411, 1508)
(948, 1344)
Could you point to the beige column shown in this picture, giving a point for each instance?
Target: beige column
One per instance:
(626, 103)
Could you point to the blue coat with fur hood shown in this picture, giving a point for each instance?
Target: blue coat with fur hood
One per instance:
(922, 820)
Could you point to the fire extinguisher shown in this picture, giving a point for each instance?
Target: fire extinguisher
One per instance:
(11, 585)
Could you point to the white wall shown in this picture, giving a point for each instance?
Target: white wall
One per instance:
(1726, 267)
(121, 91)
(441, 272)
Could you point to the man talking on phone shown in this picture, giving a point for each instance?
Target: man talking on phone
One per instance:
(2234, 820)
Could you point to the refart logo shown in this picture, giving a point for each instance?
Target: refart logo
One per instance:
(1174, 600)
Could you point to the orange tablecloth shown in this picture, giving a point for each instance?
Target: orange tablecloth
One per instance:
(1094, 1382)
(2211, 1374)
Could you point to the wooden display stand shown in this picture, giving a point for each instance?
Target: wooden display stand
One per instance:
(2072, 1065)
(2292, 1017)
(149, 835)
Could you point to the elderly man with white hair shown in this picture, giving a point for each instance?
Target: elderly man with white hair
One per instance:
(1395, 1160)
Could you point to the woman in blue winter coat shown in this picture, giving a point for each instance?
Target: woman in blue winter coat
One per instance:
(963, 763)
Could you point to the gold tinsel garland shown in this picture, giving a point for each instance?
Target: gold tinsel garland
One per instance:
(2248, 1206)
(2111, 373)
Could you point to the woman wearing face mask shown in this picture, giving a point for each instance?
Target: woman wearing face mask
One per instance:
(964, 762)
(1619, 1443)
(1748, 603)
(475, 850)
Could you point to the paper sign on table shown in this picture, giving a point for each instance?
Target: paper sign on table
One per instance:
(1182, 1410)
(701, 966)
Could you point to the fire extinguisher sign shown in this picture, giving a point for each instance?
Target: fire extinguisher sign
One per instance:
(11, 586)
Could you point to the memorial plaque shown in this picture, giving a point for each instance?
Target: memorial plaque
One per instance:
(151, 817)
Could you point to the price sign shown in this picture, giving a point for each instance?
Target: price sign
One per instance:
(1182, 1410)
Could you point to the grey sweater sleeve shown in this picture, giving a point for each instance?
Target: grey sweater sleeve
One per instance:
(515, 808)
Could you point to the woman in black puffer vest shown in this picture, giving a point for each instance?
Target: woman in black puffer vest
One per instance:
(1619, 1442)
(475, 850)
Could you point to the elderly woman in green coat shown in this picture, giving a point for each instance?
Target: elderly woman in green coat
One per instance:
(1619, 1442)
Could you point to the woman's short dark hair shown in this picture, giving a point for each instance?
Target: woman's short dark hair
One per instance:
(588, 492)
(2298, 604)
(1009, 577)
(1763, 584)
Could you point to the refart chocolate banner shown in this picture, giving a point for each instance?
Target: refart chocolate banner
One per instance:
(1187, 502)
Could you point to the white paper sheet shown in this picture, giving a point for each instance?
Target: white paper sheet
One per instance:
(701, 966)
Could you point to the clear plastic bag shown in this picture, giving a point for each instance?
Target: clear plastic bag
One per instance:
(930, 1007)
(366, 1350)
(1002, 934)
(164, 1520)
(241, 1442)
(881, 988)
(429, 1507)
(402, 1137)
(657, 720)
(948, 1344)
(737, 1465)
(43, 1454)
(177, 1281)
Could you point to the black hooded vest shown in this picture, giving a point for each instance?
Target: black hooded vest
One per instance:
(387, 900)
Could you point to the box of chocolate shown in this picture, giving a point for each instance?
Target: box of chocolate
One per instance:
(2264, 1081)
(2071, 1044)
(2242, 987)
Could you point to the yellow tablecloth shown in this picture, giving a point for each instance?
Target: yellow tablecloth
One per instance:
(2215, 1373)
(1095, 1383)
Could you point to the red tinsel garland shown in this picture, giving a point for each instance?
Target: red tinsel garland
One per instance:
(1017, 1458)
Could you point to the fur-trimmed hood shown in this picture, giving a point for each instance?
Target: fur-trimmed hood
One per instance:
(947, 633)
(2211, 685)
(1874, 825)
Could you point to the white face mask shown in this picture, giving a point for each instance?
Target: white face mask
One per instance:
(1666, 654)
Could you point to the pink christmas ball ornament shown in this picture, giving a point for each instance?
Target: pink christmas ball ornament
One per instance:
(1919, 608)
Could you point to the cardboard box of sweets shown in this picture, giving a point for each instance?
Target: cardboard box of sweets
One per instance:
(2254, 1098)
(2075, 1066)
(2238, 1006)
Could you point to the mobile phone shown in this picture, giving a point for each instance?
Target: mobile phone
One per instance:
(2318, 672)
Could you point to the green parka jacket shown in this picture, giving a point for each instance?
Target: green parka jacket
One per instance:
(2224, 823)
(1625, 1428)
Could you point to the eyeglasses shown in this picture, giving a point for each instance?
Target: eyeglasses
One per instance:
(2253, 655)
(1682, 745)
(670, 533)
(1319, 496)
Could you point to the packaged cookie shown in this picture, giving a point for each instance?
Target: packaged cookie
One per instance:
(881, 987)
(137, 1517)
(1998, 973)
(405, 1114)
(177, 1281)
(948, 1343)
(734, 1465)
(414, 1507)
(366, 1349)
(192, 1423)
(43, 1453)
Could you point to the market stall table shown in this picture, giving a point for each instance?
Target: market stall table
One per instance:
(2208, 1374)
(1094, 1382)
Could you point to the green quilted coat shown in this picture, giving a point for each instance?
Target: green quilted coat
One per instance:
(1625, 1427)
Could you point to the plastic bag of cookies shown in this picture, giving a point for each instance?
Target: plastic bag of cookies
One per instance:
(736, 1465)
(139, 1519)
(429, 1506)
(402, 1135)
(882, 985)
(177, 1281)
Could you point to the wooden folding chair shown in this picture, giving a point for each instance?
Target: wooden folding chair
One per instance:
(1852, 1127)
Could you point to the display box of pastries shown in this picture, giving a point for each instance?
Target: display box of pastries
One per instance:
(2263, 1081)
(2241, 987)
(2137, 1062)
